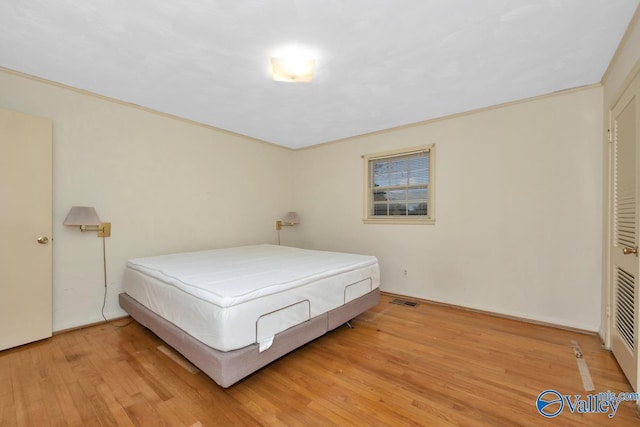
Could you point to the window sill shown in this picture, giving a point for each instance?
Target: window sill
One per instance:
(406, 221)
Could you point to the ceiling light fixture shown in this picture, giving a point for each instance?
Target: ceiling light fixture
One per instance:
(292, 69)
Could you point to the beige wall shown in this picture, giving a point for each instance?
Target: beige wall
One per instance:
(624, 66)
(164, 184)
(518, 209)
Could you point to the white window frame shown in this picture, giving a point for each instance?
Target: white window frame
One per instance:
(368, 218)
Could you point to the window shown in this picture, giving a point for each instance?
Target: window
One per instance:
(399, 186)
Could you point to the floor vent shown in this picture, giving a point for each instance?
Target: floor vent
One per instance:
(399, 301)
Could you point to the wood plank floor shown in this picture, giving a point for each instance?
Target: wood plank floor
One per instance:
(428, 365)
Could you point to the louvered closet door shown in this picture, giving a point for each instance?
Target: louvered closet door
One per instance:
(624, 255)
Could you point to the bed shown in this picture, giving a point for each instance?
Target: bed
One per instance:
(232, 311)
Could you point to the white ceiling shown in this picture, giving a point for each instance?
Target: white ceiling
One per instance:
(379, 63)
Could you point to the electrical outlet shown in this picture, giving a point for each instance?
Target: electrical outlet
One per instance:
(405, 273)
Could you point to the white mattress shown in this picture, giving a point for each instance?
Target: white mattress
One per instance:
(234, 297)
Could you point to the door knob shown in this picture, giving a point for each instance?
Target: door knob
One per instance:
(629, 251)
(43, 240)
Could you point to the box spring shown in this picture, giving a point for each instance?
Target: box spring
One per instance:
(229, 367)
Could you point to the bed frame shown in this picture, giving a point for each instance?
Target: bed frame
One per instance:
(227, 368)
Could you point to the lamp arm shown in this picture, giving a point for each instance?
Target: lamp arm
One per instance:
(280, 224)
(104, 229)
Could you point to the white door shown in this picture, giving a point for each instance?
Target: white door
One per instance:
(25, 228)
(625, 330)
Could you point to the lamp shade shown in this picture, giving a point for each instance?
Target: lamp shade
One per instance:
(82, 215)
(291, 218)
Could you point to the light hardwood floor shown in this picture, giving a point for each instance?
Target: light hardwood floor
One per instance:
(430, 365)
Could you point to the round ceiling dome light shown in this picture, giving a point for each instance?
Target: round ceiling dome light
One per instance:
(292, 69)
(293, 64)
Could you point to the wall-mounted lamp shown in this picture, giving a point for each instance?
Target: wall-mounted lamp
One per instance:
(291, 218)
(87, 219)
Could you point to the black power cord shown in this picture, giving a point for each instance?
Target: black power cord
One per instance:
(104, 296)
